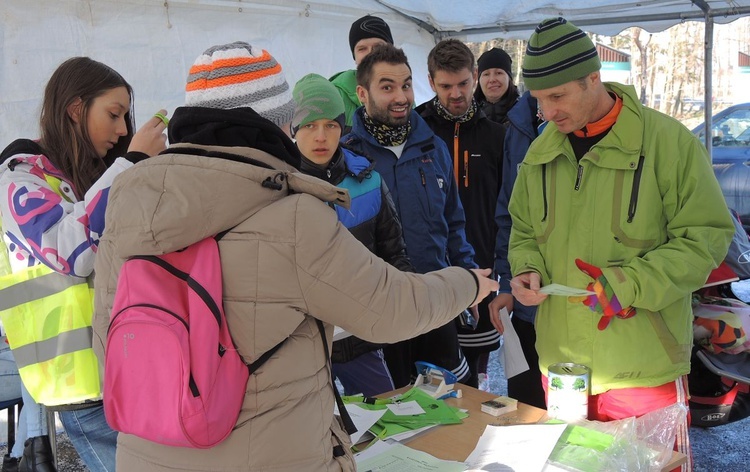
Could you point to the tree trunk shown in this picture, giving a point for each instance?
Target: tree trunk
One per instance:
(643, 51)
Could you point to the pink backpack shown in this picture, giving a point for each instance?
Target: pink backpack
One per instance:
(173, 375)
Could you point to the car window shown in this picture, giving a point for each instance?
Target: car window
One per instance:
(731, 130)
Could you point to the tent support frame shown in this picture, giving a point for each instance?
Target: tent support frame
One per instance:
(632, 20)
(708, 62)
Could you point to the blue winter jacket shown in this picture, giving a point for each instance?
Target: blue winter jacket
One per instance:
(423, 189)
(522, 130)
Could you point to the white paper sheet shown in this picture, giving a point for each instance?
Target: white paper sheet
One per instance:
(514, 361)
(395, 457)
(406, 408)
(340, 333)
(514, 448)
(363, 419)
(565, 291)
(377, 448)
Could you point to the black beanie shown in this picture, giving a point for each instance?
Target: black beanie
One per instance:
(369, 27)
(495, 58)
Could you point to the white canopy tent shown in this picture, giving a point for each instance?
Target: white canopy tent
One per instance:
(154, 42)
(486, 19)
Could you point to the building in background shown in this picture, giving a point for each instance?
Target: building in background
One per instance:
(615, 64)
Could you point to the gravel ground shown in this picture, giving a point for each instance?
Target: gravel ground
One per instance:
(67, 460)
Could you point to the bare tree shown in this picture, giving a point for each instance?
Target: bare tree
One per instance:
(643, 52)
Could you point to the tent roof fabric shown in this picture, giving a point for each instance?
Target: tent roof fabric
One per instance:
(486, 19)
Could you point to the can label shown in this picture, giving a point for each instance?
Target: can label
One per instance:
(568, 387)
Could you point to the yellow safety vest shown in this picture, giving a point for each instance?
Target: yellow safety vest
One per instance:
(47, 318)
(4, 261)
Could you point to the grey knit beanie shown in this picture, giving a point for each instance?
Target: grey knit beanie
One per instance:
(238, 75)
(558, 52)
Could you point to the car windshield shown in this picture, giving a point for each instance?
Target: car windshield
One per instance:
(731, 130)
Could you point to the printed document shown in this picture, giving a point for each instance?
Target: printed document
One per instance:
(523, 447)
(395, 457)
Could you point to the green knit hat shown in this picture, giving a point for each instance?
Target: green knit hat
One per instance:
(558, 52)
(316, 98)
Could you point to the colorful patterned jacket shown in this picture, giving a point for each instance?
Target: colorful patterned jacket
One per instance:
(42, 219)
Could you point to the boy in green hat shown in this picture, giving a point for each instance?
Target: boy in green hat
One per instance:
(317, 126)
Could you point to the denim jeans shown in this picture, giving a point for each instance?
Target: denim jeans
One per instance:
(10, 389)
(10, 381)
(92, 437)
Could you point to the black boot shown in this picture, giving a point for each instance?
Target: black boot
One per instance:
(10, 464)
(37, 456)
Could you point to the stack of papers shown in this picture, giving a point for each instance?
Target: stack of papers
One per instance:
(413, 412)
(500, 449)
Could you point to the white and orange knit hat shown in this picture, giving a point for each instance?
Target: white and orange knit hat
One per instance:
(238, 75)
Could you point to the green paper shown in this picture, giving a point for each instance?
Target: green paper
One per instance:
(581, 448)
(436, 412)
(585, 437)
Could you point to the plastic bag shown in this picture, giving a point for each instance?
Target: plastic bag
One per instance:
(721, 324)
(631, 444)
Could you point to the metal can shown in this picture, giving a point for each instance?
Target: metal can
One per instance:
(568, 387)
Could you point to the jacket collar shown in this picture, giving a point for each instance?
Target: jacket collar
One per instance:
(293, 181)
(427, 110)
(240, 127)
(420, 134)
(523, 115)
(333, 173)
(346, 81)
(343, 163)
(192, 192)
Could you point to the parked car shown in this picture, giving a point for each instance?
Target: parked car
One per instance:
(730, 134)
(730, 139)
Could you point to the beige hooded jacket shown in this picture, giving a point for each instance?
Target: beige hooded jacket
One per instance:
(286, 261)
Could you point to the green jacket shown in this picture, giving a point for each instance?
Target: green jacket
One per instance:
(643, 205)
(346, 83)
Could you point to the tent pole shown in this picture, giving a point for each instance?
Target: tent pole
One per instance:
(708, 48)
(708, 95)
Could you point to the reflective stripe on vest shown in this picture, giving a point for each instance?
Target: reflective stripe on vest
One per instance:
(47, 317)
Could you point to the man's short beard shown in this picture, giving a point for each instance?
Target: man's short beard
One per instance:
(385, 117)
